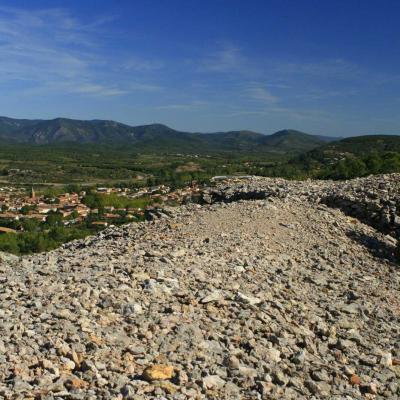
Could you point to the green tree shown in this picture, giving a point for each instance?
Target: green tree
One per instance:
(94, 200)
(348, 168)
(391, 163)
(9, 243)
(25, 210)
(73, 188)
(54, 218)
(373, 163)
(30, 224)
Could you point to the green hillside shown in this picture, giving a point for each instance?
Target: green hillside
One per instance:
(288, 139)
(350, 157)
(363, 145)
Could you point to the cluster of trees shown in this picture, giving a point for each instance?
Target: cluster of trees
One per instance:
(36, 242)
(100, 201)
(353, 167)
(316, 165)
(35, 236)
(39, 236)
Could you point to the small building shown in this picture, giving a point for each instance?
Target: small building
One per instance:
(81, 209)
(100, 223)
(103, 190)
(45, 208)
(218, 178)
(111, 216)
(9, 215)
(40, 217)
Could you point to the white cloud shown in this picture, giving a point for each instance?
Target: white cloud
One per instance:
(325, 69)
(50, 50)
(286, 112)
(144, 87)
(224, 60)
(94, 89)
(319, 94)
(37, 46)
(195, 105)
(262, 94)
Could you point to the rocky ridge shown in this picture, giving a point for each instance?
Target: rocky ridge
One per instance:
(268, 291)
(374, 200)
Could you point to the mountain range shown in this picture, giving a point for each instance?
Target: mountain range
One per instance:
(153, 137)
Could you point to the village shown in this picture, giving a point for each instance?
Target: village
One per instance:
(74, 208)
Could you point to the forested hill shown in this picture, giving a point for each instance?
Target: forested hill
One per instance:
(363, 145)
(348, 158)
(154, 137)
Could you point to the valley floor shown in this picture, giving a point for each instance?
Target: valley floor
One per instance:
(274, 298)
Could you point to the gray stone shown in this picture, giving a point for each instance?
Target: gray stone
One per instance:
(213, 382)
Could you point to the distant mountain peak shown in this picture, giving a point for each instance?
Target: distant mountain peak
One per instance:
(285, 132)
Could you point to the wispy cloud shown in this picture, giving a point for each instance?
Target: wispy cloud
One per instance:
(319, 94)
(265, 82)
(287, 112)
(326, 69)
(140, 64)
(226, 59)
(195, 105)
(39, 47)
(50, 50)
(143, 87)
(93, 89)
(262, 94)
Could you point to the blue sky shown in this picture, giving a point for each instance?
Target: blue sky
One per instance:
(324, 67)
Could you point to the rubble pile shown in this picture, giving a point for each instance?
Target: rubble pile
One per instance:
(277, 297)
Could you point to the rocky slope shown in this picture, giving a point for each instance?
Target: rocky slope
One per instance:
(281, 297)
(374, 200)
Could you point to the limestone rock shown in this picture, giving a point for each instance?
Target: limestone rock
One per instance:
(158, 372)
